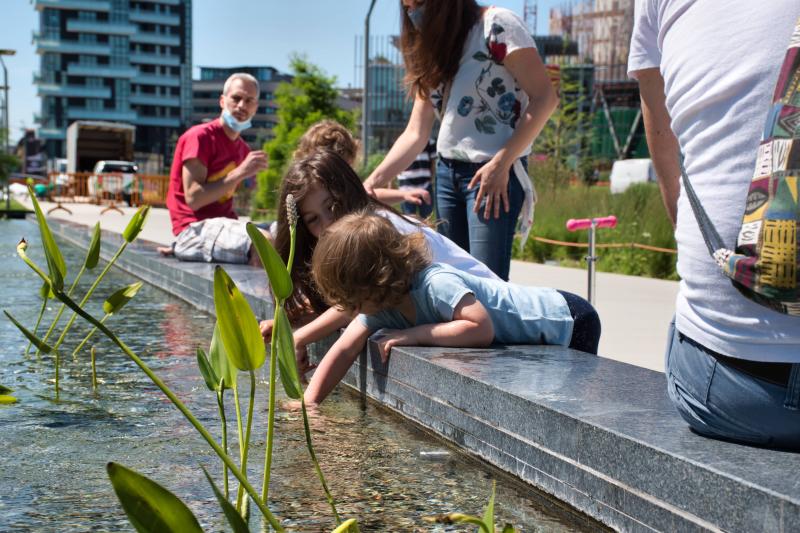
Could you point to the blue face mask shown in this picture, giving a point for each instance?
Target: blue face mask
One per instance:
(234, 124)
(416, 16)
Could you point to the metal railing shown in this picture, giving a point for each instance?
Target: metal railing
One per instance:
(111, 189)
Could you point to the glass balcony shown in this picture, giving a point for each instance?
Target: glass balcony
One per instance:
(152, 99)
(162, 2)
(100, 114)
(101, 71)
(154, 18)
(71, 47)
(156, 38)
(172, 122)
(90, 26)
(155, 59)
(73, 91)
(82, 5)
(157, 79)
(52, 133)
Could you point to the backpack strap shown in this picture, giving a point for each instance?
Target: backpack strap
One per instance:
(707, 229)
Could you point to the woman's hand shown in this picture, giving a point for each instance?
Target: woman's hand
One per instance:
(493, 180)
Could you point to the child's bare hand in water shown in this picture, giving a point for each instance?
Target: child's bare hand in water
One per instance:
(389, 338)
(266, 329)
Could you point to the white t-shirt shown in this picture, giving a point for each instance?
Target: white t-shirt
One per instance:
(443, 250)
(485, 101)
(720, 62)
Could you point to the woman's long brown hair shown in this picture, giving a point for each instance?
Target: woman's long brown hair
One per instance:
(432, 54)
(329, 170)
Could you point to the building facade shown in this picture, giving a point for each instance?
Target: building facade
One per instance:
(207, 90)
(115, 60)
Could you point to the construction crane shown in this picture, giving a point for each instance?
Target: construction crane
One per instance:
(530, 15)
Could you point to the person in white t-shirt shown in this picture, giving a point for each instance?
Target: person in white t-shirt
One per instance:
(706, 73)
(478, 68)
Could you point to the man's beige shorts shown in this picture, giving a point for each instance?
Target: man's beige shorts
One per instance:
(214, 240)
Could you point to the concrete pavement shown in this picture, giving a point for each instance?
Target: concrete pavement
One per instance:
(634, 311)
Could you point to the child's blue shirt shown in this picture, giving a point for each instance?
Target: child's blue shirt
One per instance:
(520, 315)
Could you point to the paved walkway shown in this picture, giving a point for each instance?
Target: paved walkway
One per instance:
(635, 311)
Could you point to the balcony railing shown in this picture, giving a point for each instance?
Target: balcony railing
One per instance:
(52, 133)
(71, 47)
(152, 99)
(162, 2)
(156, 38)
(155, 59)
(157, 79)
(91, 26)
(73, 91)
(170, 122)
(152, 17)
(101, 71)
(101, 114)
(82, 5)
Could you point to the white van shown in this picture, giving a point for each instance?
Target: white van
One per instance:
(120, 179)
(626, 172)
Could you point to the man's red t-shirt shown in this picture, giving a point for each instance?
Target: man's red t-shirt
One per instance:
(220, 155)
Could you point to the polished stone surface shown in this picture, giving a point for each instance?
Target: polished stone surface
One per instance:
(598, 434)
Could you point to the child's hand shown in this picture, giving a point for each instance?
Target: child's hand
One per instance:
(389, 338)
(266, 330)
(303, 364)
(417, 196)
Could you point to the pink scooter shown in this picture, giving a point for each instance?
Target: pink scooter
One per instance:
(575, 224)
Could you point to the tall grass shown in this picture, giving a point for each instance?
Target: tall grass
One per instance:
(641, 219)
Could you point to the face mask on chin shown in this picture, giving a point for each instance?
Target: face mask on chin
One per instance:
(234, 124)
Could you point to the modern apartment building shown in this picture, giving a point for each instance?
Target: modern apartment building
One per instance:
(115, 60)
(206, 92)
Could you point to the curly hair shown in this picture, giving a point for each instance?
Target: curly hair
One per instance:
(363, 258)
(328, 135)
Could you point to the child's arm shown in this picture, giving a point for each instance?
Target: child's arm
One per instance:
(317, 329)
(471, 327)
(415, 196)
(334, 365)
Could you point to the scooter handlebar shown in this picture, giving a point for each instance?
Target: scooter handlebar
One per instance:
(575, 224)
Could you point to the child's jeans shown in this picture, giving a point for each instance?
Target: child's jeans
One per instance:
(586, 327)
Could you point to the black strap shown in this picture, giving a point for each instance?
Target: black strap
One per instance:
(707, 229)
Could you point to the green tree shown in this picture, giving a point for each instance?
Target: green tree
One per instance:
(564, 138)
(308, 98)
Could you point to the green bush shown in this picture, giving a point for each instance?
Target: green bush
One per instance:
(641, 219)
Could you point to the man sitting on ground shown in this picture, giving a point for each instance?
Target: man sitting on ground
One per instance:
(210, 161)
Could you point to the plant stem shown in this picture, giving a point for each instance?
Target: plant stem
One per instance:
(89, 292)
(89, 336)
(224, 422)
(94, 371)
(240, 433)
(178, 404)
(273, 360)
(250, 409)
(38, 321)
(58, 364)
(314, 460)
(62, 307)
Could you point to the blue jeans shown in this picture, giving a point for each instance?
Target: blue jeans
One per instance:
(488, 240)
(423, 210)
(722, 401)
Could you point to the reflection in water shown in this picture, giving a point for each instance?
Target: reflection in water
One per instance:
(386, 473)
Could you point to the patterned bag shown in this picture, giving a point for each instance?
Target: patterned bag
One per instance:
(764, 266)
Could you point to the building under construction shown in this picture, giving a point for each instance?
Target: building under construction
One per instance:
(602, 31)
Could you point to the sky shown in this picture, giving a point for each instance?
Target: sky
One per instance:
(235, 32)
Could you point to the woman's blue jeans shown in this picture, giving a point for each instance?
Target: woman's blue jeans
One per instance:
(487, 240)
(723, 402)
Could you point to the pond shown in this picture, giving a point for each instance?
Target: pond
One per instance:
(382, 470)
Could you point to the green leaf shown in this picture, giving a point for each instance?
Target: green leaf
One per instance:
(136, 224)
(206, 371)
(150, 507)
(45, 292)
(287, 362)
(5, 390)
(457, 518)
(55, 261)
(273, 264)
(238, 326)
(234, 518)
(348, 526)
(117, 301)
(44, 348)
(488, 514)
(4, 398)
(93, 255)
(508, 528)
(222, 366)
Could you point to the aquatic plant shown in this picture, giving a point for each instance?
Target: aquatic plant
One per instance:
(5, 395)
(485, 523)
